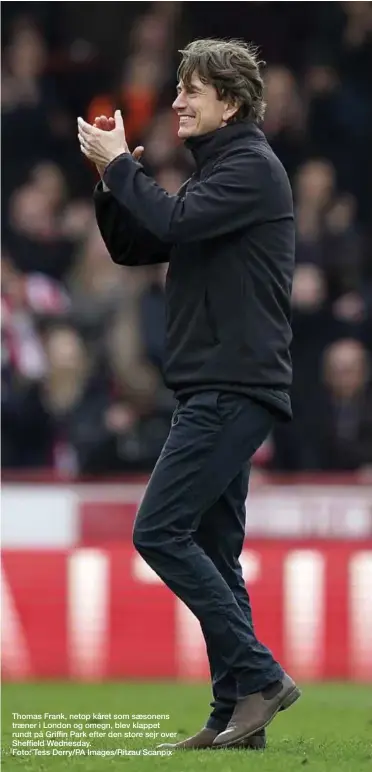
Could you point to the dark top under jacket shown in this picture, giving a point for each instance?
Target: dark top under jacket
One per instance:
(229, 238)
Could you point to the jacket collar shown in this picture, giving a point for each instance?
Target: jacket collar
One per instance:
(206, 146)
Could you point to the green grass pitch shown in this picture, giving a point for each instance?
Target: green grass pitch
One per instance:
(328, 730)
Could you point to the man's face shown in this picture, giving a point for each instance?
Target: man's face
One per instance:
(199, 109)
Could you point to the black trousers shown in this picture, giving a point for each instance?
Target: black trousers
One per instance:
(190, 530)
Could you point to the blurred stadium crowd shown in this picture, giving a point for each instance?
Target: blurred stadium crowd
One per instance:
(82, 338)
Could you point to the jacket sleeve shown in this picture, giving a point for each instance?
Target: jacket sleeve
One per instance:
(128, 242)
(243, 189)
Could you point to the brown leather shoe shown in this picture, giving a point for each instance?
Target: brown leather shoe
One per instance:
(254, 712)
(204, 739)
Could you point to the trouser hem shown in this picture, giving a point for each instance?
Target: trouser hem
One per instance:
(214, 723)
(251, 687)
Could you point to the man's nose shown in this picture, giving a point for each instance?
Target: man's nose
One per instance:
(179, 102)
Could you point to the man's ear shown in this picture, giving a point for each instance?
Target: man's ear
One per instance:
(231, 108)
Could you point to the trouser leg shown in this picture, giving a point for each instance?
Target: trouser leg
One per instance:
(214, 434)
(226, 517)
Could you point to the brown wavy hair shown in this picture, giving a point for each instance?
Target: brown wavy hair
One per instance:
(232, 67)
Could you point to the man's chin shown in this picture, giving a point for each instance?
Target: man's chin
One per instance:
(184, 132)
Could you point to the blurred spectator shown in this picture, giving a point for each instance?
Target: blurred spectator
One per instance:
(334, 430)
(73, 397)
(314, 189)
(35, 124)
(135, 347)
(315, 326)
(97, 285)
(44, 228)
(26, 301)
(312, 324)
(285, 117)
(327, 234)
(345, 439)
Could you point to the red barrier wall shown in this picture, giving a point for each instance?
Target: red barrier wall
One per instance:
(102, 613)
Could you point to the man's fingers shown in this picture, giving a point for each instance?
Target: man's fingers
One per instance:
(137, 153)
(84, 145)
(105, 123)
(109, 124)
(85, 128)
(119, 123)
(101, 122)
(83, 138)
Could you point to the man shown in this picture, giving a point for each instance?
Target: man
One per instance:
(229, 238)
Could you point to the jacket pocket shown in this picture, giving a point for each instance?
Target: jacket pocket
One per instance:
(228, 404)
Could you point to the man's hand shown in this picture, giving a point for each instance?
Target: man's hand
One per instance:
(105, 124)
(104, 141)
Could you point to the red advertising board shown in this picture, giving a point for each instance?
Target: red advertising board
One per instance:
(100, 612)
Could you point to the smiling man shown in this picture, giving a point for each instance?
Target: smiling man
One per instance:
(198, 108)
(229, 239)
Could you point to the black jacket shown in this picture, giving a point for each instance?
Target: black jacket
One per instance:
(229, 238)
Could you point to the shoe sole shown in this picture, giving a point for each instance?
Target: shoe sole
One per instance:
(288, 700)
(243, 745)
(291, 698)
